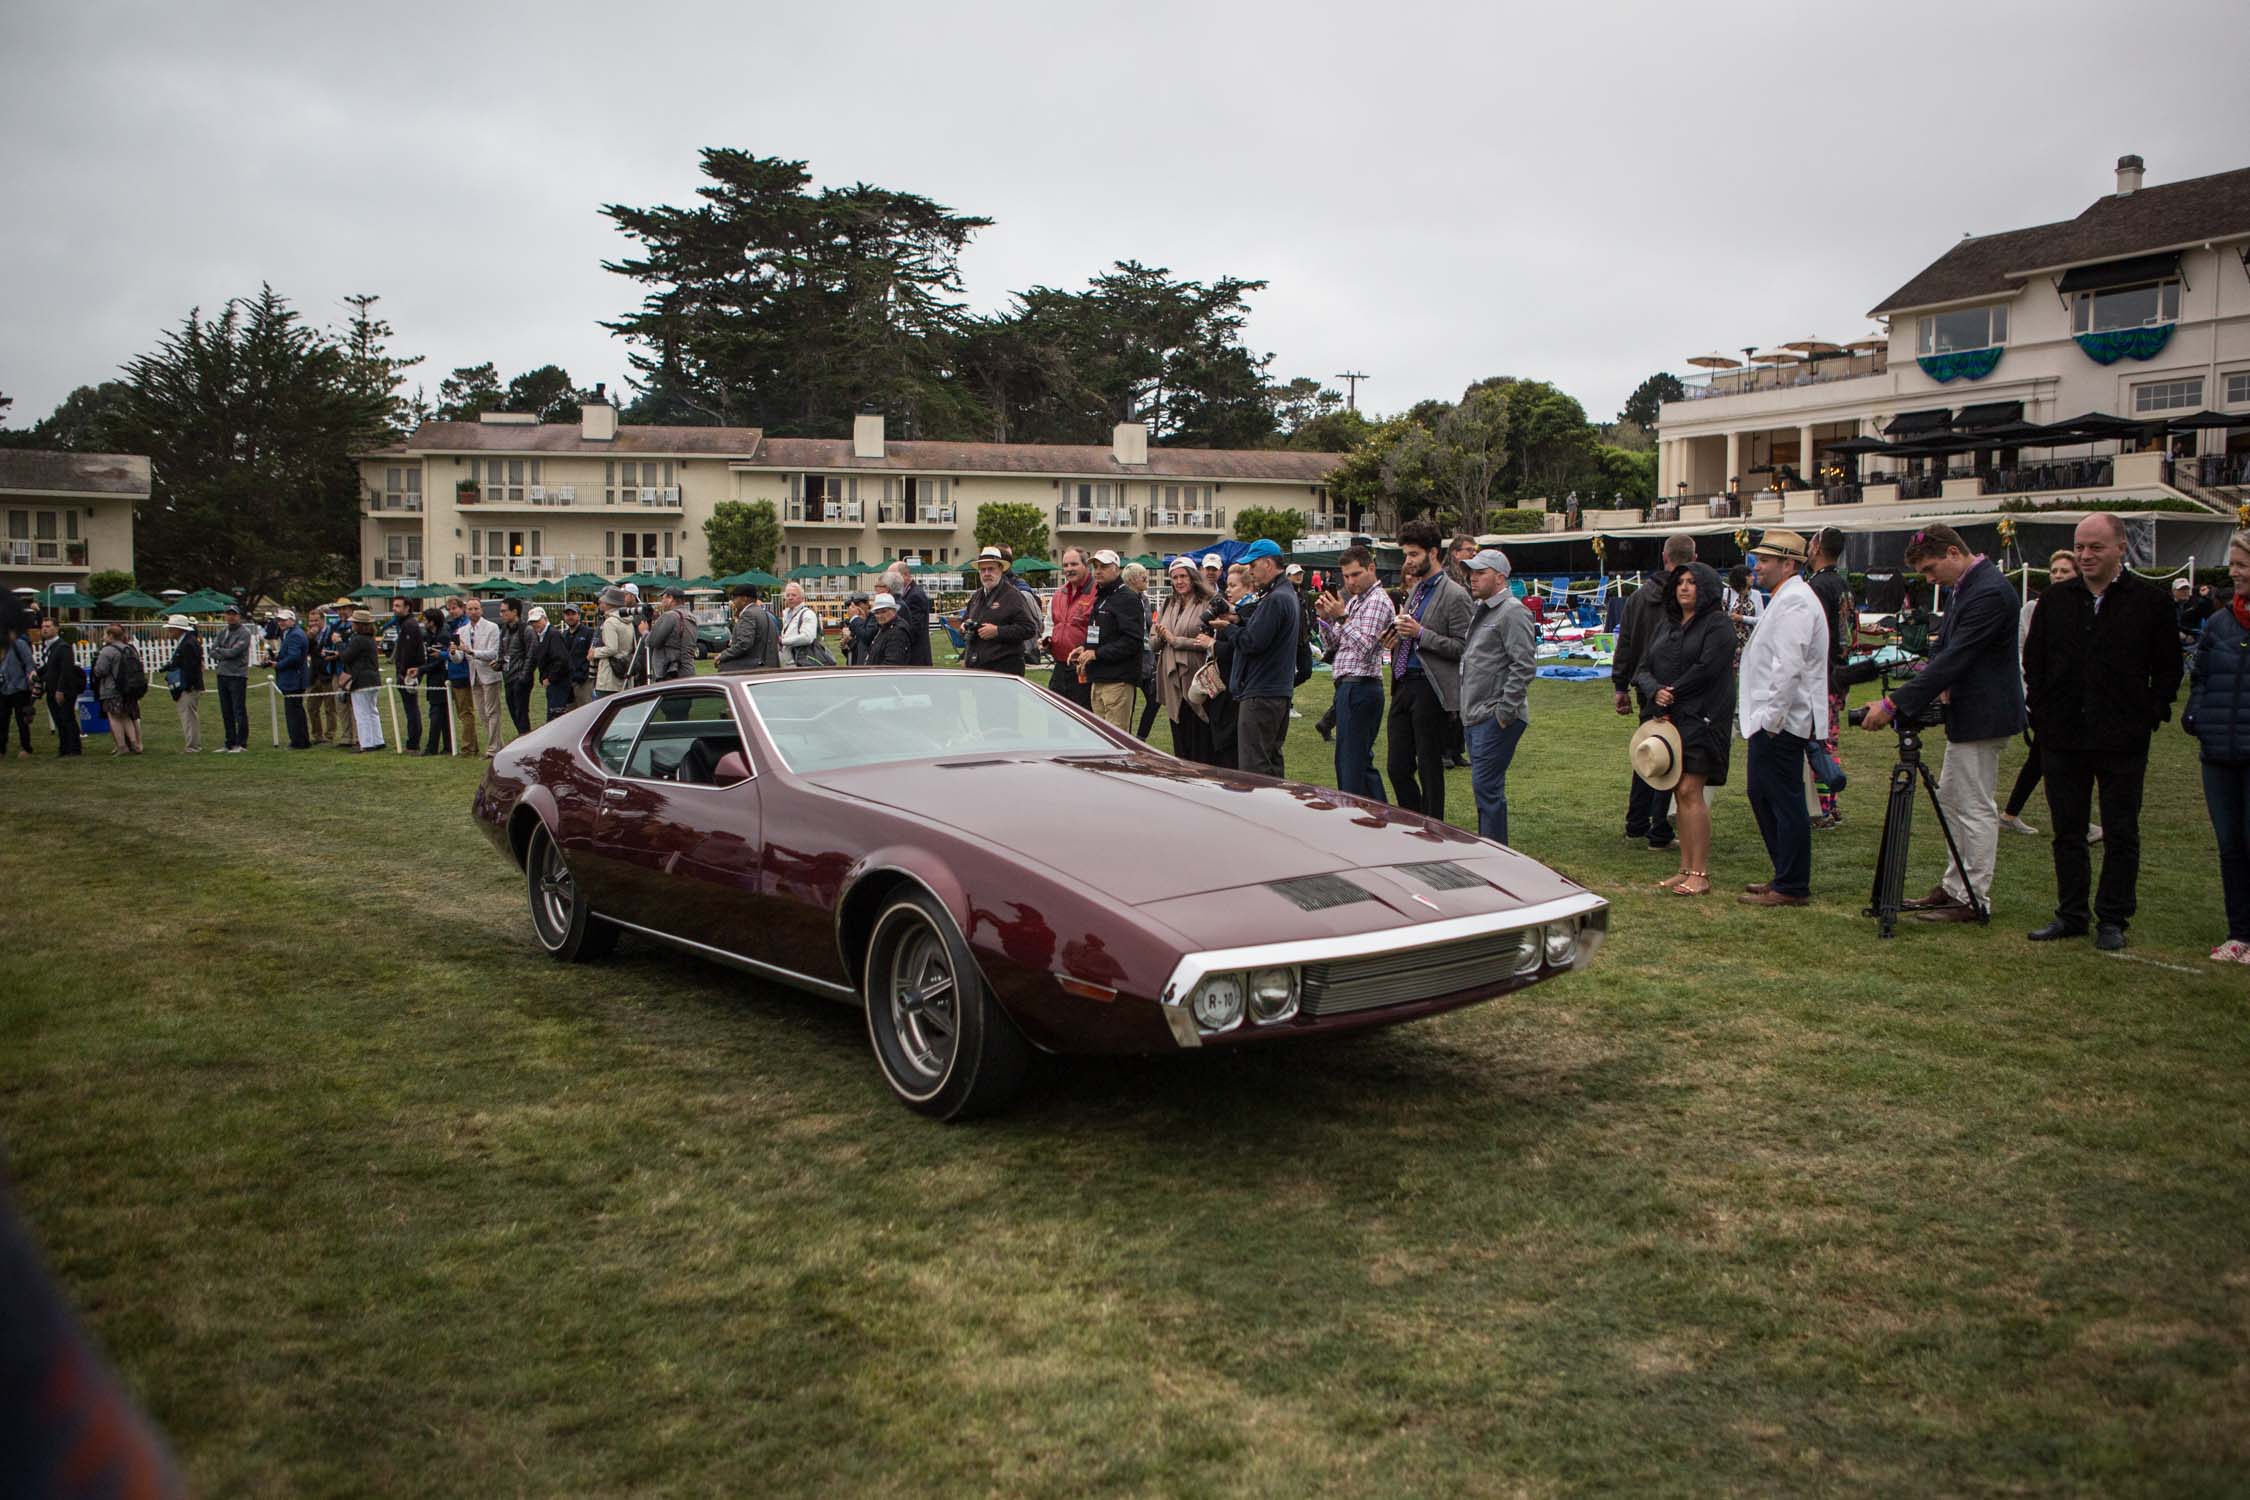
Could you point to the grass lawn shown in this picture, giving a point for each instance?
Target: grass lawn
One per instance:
(366, 1196)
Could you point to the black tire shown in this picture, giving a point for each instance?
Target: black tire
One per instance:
(943, 1043)
(559, 918)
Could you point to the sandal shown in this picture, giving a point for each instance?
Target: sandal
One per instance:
(1688, 887)
(1672, 880)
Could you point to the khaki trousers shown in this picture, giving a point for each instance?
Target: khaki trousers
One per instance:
(191, 726)
(322, 708)
(487, 695)
(1967, 783)
(1113, 702)
(464, 719)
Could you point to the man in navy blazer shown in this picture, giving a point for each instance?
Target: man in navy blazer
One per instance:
(1976, 670)
(290, 669)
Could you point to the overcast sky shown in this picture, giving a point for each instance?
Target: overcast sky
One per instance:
(1583, 192)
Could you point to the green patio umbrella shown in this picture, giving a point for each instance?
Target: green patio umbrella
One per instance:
(67, 597)
(495, 585)
(370, 592)
(650, 580)
(201, 602)
(586, 584)
(704, 585)
(806, 572)
(755, 577)
(134, 599)
(1031, 565)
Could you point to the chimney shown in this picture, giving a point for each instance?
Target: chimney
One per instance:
(2128, 175)
(597, 422)
(1129, 442)
(867, 435)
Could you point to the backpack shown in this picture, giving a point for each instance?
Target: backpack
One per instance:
(132, 675)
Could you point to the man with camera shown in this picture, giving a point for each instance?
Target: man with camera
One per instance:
(1974, 672)
(2100, 667)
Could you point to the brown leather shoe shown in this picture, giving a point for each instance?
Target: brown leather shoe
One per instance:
(1770, 897)
(1759, 889)
(1957, 912)
(1938, 897)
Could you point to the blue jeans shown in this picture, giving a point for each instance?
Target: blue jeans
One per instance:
(1777, 798)
(2226, 791)
(1359, 714)
(1492, 750)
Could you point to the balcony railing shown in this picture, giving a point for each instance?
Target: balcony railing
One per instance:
(550, 496)
(827, 513)
(42, 553)
(1188, 520)
(926, 517)
(407, 502)
(1097, 517)
(1783, 377)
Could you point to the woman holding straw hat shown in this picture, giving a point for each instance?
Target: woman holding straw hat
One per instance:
(1688, 673)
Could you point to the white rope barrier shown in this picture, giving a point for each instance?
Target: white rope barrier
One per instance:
(396, 742)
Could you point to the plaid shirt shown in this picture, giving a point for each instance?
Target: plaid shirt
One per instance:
(1353, 647)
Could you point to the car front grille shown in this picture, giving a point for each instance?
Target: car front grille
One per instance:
(1355, 984)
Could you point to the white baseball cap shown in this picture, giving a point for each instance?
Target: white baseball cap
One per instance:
(882, 601)
(1212, 560)
(1108, 559)
(537, 614)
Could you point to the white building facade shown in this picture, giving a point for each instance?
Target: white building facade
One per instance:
(2138, 308)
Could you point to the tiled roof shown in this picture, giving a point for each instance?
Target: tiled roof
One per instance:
(1096, 460)
(80, 473)
(2174, 213)
(569, 437)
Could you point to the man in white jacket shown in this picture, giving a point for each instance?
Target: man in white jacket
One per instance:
(479, 640)
(1781, 702)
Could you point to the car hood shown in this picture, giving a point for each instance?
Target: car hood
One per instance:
(1157, 833)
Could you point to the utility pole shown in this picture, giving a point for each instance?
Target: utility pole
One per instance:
(1351, 379)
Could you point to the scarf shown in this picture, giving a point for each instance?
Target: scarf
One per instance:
(2241, 610)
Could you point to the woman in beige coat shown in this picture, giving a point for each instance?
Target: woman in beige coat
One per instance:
(1183, 644)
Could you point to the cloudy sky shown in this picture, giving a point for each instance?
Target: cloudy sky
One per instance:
(1585, 193)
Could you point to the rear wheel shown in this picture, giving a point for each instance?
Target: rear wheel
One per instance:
(945, 1047)
(559, 917)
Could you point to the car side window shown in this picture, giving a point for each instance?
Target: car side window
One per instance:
(684, 739)
(617, 735)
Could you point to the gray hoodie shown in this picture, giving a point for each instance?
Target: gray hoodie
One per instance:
(1499, 662)
(230, 651)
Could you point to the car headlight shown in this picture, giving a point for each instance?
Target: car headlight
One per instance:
(1527, 962)
(1218, 1002)
(1273, 995)
(1562, 943)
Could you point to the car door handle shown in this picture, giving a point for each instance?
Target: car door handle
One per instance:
(614, 793)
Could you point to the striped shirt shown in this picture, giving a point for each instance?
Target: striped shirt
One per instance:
(1354, 647)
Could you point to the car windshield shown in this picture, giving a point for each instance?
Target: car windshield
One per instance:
(829, 723)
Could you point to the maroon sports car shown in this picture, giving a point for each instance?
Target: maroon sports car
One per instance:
(987, 870)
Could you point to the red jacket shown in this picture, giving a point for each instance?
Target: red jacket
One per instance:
(1071, 612)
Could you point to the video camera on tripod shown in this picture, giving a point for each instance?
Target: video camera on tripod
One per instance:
(1889, 893)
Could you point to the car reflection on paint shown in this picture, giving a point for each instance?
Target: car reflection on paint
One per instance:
(988, 872)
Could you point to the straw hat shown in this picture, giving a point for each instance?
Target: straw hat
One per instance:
(1656, 754)
(1787, 545)
(179, 622)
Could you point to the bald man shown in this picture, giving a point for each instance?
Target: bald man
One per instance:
(2101, 666)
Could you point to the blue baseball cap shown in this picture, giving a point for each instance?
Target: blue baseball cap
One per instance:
(1262, 547)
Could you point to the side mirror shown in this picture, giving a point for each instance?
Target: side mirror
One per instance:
(733, 766)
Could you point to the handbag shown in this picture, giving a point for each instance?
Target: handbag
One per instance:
(1205, 685)
(1825, 769)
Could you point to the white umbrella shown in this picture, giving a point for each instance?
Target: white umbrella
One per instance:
(1715, 361)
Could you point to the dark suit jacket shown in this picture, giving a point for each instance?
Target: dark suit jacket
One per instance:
(1445, 632)
(2101, 681)
(550, 654)
(914, 613)
(1976, 658)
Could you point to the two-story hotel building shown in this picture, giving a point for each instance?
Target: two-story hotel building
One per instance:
(514, 497)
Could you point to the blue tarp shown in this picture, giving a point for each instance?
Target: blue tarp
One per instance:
(1575, 674)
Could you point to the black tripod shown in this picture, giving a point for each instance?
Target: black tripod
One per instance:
(1898, 826)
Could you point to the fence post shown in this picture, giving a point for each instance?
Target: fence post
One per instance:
(452, 724)
(390, 696)
(273, 703)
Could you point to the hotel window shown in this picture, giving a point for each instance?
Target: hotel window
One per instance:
(505, 478)
(402, 488)
(476, 551)
(623, 482)
(1964, 328)
(2238, 388)
(2125, 307)
(2168, 395)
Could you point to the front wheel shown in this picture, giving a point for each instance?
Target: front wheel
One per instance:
(559, 916)
(945, 1047)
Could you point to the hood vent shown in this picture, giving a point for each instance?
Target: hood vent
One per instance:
(1444, 875)
(1319, 892)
